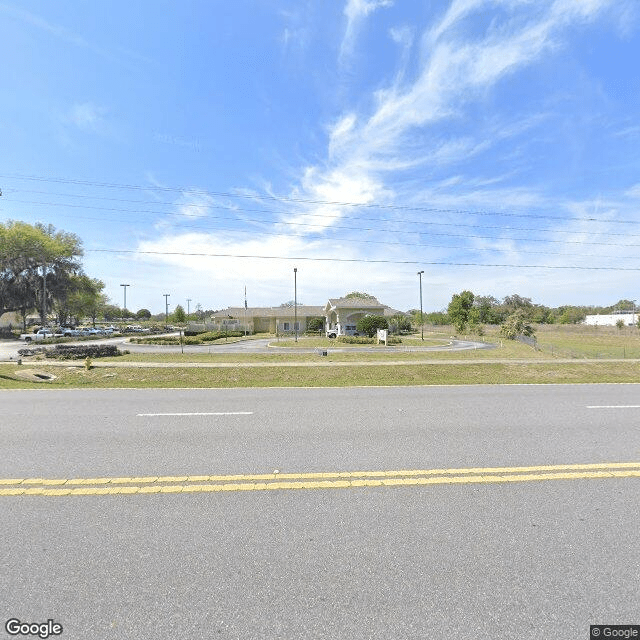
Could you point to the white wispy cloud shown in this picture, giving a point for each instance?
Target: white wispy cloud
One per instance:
(356, 11)
(121, 55)
(454, 65)
(194, 204)
(634, 192)
(87, 116)
(455, 68)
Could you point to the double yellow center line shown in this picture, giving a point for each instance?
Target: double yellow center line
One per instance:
(326, 480)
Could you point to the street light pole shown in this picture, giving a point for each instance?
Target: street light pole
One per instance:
(125, 297)
(44, 295)
(421, 320)
(188, 307)
(295, 301)
(166, 307)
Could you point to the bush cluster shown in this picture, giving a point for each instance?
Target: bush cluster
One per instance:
(190, 338)
(217, 335)
(364, 340)
(74, 352)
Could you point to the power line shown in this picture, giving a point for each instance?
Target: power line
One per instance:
(375, 229)
(136, 187)
(429, 245)
(272, 212)
(362, 260)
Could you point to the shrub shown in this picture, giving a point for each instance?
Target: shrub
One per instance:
(516, 325)
(74, 352)
(315, 325)
(217, 335)
(208, 336)
(363, 340)
(194, 332)
(356, 340)
(370, 324)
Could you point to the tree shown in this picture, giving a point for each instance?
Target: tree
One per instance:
(437, 318)
(179, 315)
(400, 323)
(515, 301)
(516, 325)
(358, 294)
(35, 259)
(370, 324)
(572, 315)
(82, 296)
(315, 324)
(489, 311)
(290, 304)
(459, 309)
(111, 312)
(143, 314)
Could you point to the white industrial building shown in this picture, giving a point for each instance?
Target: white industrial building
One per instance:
(611, 319)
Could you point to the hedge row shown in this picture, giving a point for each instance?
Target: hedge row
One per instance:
(190, 338)
(74, 352)
(364, 340)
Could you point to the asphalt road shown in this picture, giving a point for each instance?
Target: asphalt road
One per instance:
(536, 557)
(9, 348)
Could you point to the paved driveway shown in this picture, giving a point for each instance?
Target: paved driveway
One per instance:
(9, 348)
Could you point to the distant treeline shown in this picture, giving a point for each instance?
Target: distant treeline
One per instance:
(490, 310)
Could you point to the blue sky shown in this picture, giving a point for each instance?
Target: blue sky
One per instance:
(201, 147)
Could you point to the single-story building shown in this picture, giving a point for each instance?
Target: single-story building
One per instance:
(265, 319)
(340, 316)
(611, 319)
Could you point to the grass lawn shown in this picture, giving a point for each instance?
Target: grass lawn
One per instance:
(509, 362)
(436, 373)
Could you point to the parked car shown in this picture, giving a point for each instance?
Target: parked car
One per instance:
(42, 334)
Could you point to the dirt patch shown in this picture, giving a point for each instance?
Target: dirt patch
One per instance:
(33, 375)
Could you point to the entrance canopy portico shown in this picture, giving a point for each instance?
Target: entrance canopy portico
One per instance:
(342, 314)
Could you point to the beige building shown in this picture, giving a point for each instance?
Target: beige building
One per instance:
(265, 319)
(342, 314)
(340, 317)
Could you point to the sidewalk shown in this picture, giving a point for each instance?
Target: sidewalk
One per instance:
(79, 364)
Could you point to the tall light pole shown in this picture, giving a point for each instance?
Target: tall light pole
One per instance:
(166, 307)
(125, 297)
(188, 302)
(295, 301)
(44, 294)
(421, 321)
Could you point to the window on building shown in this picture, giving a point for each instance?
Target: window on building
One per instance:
(285, 326)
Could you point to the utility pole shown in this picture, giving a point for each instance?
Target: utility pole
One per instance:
(44, 294)
(295, 301)
(421, 321)
(125, 298)
(188, 307)
(166, 307)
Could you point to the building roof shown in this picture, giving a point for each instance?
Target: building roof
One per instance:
(349, 303)
(268, 312)
(304, 310)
